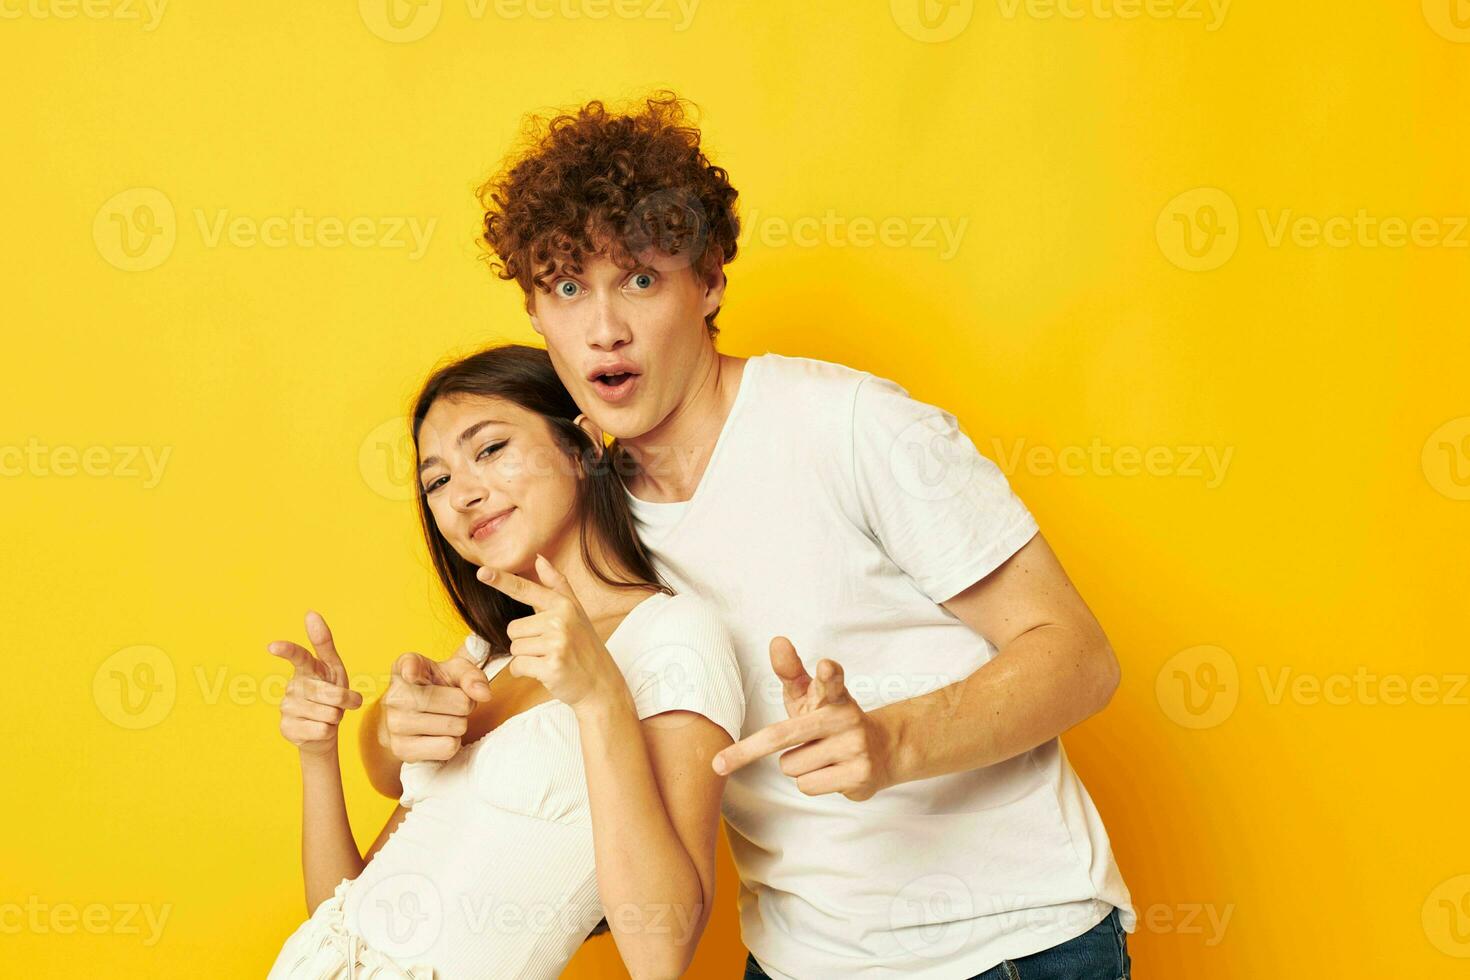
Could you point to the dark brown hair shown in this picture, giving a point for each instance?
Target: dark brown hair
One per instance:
(627, 180)
(524, 375)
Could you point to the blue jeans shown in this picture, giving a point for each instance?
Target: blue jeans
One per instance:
(1101, 953)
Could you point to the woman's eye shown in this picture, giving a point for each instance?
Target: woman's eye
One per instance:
(435, 484)
(490, 450)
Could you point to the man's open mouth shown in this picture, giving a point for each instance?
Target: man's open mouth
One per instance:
(615, 388)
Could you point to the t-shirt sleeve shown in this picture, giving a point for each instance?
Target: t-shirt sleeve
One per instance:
(686, 662)
(475, 650)
(942, 511)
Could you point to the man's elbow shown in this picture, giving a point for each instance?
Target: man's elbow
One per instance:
(666, 963)
(1107, 673)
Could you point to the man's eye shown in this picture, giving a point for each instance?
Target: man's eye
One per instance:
(565, 285)
(644, 280)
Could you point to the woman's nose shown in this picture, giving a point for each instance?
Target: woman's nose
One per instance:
(469, 494)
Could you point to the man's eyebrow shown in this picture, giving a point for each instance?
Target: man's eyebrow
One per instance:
(464, 437)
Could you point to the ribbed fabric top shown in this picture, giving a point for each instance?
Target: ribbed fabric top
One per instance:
(491, 873)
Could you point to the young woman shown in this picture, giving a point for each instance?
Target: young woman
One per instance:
(589, 796)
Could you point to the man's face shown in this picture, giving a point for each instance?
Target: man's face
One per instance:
(645, 328)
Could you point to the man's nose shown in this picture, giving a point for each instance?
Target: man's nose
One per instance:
(608, 330)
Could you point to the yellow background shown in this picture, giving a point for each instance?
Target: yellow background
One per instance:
(1325, 830)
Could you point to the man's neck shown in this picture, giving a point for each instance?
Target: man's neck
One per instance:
(672, 457)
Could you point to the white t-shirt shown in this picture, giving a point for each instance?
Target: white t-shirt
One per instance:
(837, 511)
(491, 873)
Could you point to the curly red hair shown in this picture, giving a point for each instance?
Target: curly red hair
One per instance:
(597, 180)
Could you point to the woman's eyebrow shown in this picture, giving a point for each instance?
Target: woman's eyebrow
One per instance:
(464, 437)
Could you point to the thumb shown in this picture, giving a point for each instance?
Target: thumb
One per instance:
(553, 579)
(326, 648)
(460, 673)
(787, 666)
(414, 668)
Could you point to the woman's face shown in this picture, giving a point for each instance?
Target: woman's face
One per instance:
(499, 486)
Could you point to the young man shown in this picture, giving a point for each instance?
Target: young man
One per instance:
(900, 803)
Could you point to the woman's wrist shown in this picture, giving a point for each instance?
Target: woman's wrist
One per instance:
(320, 759)
(604, 704)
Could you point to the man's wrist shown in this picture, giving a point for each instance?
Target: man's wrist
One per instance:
(899, 748)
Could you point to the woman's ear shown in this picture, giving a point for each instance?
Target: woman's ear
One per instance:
(594, 431)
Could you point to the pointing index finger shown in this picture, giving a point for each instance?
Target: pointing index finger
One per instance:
(533, 594)
(302, 662)
(771, 739)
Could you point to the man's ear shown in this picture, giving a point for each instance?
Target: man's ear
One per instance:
(594, 431)
(714, 289)
(531, 312)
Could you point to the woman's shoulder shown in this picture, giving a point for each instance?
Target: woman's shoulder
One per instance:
(682, 658)
(684, 615)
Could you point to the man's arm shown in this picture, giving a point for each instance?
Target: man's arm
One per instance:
(1053, 668)
(372, 742)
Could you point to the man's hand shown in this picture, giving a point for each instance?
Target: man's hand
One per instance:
(833, 745)
(427, 708)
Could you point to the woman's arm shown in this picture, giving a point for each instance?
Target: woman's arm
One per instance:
(655, 805)
(311, 713)
(654, 796)
(328, 850)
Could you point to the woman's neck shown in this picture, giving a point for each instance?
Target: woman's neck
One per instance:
(605, 604)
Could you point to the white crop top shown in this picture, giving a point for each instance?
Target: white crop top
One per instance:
(491, 873)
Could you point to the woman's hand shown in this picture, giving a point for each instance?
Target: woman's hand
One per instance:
(317, 693)
(558, 646)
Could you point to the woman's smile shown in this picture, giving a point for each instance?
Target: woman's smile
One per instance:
(485, 527)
